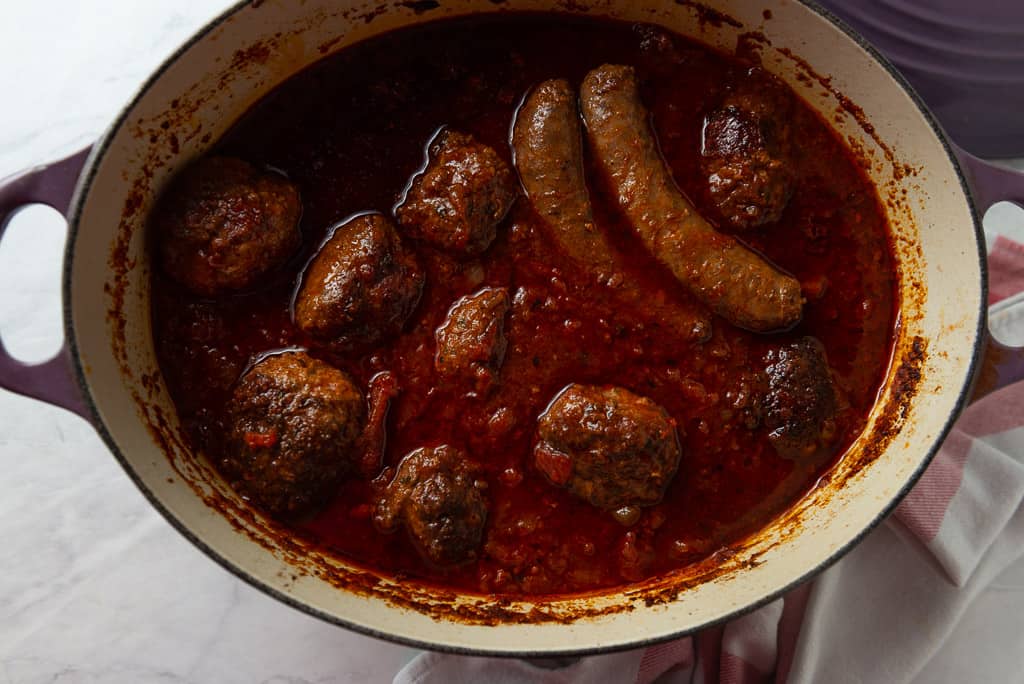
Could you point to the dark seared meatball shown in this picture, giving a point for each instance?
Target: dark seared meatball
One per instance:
(223, 224)
(436, 495)
(293, 424)
(471, 343)
(744, 159)
(361, 287)
(457, 203)
(801, 404)
(608, 446)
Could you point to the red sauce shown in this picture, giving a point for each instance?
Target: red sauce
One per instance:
(350, 131)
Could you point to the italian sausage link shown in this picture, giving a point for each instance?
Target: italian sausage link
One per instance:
(547, 141)
(734, 281)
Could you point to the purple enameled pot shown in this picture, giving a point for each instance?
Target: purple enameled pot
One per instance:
(107, 371)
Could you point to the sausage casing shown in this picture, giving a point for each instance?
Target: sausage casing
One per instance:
(547, 140)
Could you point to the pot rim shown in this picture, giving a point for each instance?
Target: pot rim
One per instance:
(83, 187)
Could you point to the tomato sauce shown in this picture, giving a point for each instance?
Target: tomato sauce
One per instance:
(350, 132)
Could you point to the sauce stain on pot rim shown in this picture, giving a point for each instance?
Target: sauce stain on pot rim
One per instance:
(890, 414)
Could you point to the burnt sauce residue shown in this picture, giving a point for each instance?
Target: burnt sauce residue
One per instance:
(351, 131)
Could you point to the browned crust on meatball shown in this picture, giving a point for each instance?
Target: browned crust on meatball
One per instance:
(436, 495)
(744, 158)
(223, 224)
(471, 342)
(293, 422)
(801, 404)
(460, 198)
(361, 287)
(608, 446)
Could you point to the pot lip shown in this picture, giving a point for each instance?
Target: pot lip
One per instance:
(83, 187)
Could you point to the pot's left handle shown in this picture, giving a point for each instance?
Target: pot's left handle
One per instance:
(51, 381)
(990, 183)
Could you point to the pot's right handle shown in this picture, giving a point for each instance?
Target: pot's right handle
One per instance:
(989, 182)
(1001, 364)
(52, 381)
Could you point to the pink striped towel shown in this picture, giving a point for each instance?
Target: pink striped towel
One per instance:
(886, 612)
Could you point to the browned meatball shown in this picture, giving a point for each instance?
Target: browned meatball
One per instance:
(471, 343)
(224, 224)
(361, 287)
(743, 157)
(457, 203)
(436, 495)
(292, 425)
(608, 446)
(800, 406)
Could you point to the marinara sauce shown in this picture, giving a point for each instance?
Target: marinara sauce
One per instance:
(350, 132)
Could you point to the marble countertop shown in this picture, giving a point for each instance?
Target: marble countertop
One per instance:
(95, 586)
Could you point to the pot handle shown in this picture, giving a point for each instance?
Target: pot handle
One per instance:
(52, 381)
(990, 183)
(1001, 364)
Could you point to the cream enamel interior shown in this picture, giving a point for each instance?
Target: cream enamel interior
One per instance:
(209, 82)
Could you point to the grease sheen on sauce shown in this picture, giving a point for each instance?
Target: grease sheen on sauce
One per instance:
(351, 130)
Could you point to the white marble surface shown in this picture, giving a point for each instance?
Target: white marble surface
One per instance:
(94, 585)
